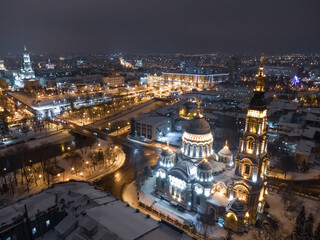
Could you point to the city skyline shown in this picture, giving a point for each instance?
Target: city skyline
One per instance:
(160, 27)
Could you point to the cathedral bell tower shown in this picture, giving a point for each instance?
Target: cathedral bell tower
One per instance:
(27, 72)
(251, 163)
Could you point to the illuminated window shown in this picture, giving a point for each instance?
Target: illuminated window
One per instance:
(250, 145)
(200, 151)
(48, 223)
(34, 231)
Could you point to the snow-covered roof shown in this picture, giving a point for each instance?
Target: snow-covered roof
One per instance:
(218, 199)
(149, 119)
(225, 176)
(34, 205)
(312, 117)
(90, 211)
(112, 217)
(66, 225)
(310, 132)
(305, 147)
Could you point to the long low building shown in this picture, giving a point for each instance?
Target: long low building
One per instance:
(194, 80)
(77, 210)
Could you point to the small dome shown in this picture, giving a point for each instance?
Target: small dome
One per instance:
(166, 152)
(167, 158)
(225, 151)
(204, 171)
(205, 166)
(238, 207)
(198, 125)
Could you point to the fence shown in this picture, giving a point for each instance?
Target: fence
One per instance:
(275, 188)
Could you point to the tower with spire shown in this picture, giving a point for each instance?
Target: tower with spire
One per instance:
(27, 72)
(249, 185)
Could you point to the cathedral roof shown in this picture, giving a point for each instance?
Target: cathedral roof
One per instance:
(258, 101)
(198, 125)
(182, 170)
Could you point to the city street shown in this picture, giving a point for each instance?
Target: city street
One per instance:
(137, 158)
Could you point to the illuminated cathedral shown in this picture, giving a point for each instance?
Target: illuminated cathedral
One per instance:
(227, 191)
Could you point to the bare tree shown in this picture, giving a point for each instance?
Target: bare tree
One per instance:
(75, 160)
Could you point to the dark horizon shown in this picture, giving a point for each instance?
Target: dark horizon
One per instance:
(152, 27)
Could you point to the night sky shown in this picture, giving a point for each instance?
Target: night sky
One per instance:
(166, 26)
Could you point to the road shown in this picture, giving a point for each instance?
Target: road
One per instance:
(127, 114)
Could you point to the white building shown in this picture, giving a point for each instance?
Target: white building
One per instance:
(26, 73)
(2, 68)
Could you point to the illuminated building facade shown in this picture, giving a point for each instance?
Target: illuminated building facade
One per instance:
(26, 73)
(154, 80)
(113, 81)
(194, 80)
(2, 68)
(199, 180)
(49, 65)
(193, 178)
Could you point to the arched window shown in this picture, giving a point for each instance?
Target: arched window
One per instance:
(200, 151)
(189, 149)
(241, 193)
(250, 145)
(194, 150)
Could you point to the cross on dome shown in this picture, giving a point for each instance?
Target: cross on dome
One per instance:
(226, 145)
(198, 110)
(260, 76)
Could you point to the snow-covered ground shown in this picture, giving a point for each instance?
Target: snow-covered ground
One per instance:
(287, 219)
(173, 138)
(154, 144)
(87, 173)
